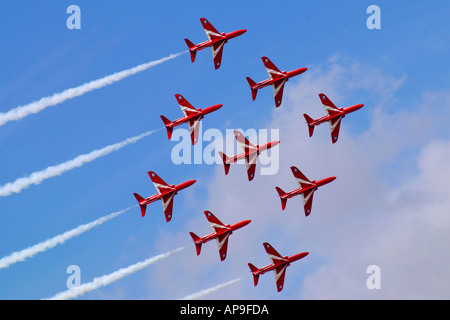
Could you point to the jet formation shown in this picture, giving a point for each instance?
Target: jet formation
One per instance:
(193, 116)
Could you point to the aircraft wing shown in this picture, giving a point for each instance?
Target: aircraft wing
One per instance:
(246, 144)
(277, 259)
(217, 50)
(185, 106)
(278, 88)
(307, 200)
(251, 154)
(335, 124)
(302, 180)
(274, 256)
(167, 202)
(280, 272)
(272, 70)
(329, 106)
(307, 195)
(160, 185)
(211, 32)
(215, 223)
(250, 162)
(222, 242)
(194, 128)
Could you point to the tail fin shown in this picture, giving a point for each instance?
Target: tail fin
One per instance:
(198, 246)
(255, 276)
(191, 49)
(225, 162)
(252, 85)
(167, 123)
(282, 195)
(309, 120)
(140, 201)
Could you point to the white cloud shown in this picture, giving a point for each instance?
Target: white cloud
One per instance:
(406, 234)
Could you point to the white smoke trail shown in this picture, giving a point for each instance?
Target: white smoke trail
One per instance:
(39, 105)
(59, 239)
(52, 171)
(210, 290)
(112, 277)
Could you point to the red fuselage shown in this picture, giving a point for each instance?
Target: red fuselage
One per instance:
(174, 190)
(226, 37)
(200, 115)
(286, 261)
(284, 78)
(342, 113)
(228, 229)
(257, 149)
(314, 185)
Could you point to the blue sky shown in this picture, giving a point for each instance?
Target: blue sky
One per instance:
(399, 72)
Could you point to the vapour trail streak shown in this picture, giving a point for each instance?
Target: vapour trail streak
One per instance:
(210, 290)
(57, 98)
(59, 239)
(52, 171)
(112, 277)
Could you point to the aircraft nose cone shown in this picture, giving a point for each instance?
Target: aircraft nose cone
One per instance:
(185, 185)
(274, 143)
(241, 224)
(356, 107)
(218, 106)
(236, 33)
(212, 108)
(297, 256)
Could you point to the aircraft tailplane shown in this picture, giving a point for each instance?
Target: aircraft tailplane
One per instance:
(192, 49)
(141, 201)
(198, 246)
(252, 85)
(282, 195)
(169, 128)
(255, 276)
(225, 162)
(309, 120)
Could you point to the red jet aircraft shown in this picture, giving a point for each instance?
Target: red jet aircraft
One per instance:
(278, 265)
(191, 115)
(221, 234)
(334, 116)
(216, 40)
(306, 189)
(165, 193)
(277, 80)
(251, 153)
